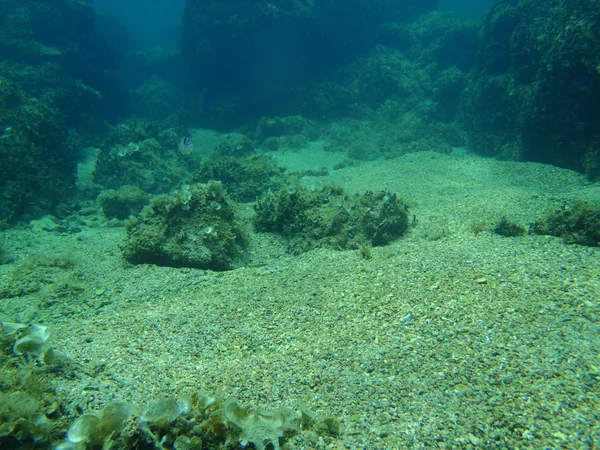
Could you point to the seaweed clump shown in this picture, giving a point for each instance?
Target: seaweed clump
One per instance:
(576, 224)
(328, 217)
(245, 177)
(143, 154)
(193, 227)
(123, 202)
(190, 423)
(508, 228)
(30, 415)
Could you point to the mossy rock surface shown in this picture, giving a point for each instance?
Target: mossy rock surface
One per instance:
(328, 217)
(143, 154)
(576, 224)
(508, 228)
(246, 177)
(123, 202)
(192, 227)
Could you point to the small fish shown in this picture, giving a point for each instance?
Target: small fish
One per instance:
(185, 145)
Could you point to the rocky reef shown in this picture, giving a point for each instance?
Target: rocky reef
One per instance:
(260, 53)
(533, 98)
(55, 84)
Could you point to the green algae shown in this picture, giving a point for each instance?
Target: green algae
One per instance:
(508, 228)
(194, 226)
(577, 223)
(328, 217)
(124, 202)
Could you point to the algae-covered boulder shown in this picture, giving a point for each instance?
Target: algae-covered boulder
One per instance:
(537, 84)
(145, 154)
(245, 178)
(192, 227)
(578, 223)
(328, 217)
(123, 202)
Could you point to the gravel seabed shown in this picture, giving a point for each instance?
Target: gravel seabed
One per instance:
(445, 339)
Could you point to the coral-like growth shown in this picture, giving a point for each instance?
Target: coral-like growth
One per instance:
(258, 426)
(21, 421)
(195, 423)
(29, 413)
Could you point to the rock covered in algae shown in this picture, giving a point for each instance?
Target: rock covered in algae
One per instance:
(328, 217)
(576, 223)
(193, 227)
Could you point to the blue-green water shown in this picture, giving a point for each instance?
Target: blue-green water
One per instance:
(310, 224)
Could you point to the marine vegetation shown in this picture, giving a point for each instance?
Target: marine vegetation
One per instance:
(328, 217)
(578, 223)
(507, 228)
(143, 154)
(240, 147)
(124, 202)
(36, 169)
(261, 74)
(533, 97)
(245, 178)
(32, 416)
(198, 422)
(194, 226)
(53, 68)
(291, 132)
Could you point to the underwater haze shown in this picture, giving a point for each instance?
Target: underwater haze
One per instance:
(154, 23)
(473, 9)
(299, 224)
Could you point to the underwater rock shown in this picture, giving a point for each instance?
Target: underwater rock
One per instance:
(327, 217)
(524, 103)
(143, 154)
(577, 223)
(46, 223)
(123, 202)
(53, 67)
(244, 177)
(261, 74)
(192, 227)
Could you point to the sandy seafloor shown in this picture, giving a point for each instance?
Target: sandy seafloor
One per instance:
(444, 339)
